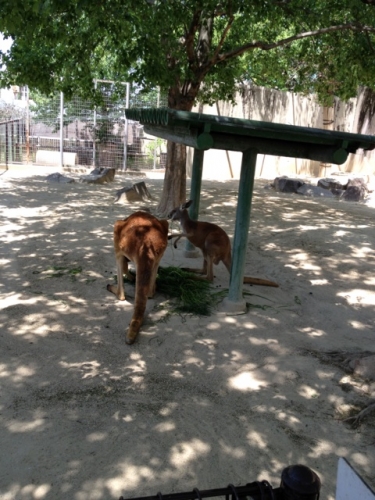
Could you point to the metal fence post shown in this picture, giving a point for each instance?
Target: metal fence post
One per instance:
(61, 129)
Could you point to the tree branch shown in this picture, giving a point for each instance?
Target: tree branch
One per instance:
(222, 38)
(189, 37)
(286, 41)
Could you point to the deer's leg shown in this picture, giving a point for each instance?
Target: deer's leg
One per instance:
(154, 273)
(209, 265)
(122, 268)
(142, 289)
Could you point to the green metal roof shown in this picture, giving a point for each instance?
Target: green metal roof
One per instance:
(220, 132)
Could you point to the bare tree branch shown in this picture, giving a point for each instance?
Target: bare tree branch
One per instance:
(286, 41)
(222, 38)
(190, 37)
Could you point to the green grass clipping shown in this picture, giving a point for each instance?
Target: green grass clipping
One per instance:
(191, 293)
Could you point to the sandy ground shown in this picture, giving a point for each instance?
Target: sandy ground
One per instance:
(197, 401)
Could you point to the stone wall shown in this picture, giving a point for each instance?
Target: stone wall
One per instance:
(256, 103)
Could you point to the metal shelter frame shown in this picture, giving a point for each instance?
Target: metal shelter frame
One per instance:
(203, 132)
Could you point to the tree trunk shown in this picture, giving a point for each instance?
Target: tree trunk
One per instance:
(174, 188)
(181, 97)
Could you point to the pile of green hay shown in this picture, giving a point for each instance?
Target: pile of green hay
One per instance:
(190, 293)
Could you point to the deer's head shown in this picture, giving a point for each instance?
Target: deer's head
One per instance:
(178, 212)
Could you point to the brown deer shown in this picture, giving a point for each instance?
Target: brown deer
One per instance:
(142, 239)
(212, 240)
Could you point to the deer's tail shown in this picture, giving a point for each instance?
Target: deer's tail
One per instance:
(259, 281)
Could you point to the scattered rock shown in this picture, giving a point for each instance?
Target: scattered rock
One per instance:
(57, 177)
(136, 192)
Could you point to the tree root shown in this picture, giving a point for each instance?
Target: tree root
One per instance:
(346, 360)
(356, 420)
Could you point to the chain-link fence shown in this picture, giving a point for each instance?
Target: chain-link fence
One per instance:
(54, 131)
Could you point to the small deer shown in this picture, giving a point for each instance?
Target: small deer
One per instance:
(142, 239)
(212, 240)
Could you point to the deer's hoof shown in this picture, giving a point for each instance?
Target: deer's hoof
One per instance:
(130, 337)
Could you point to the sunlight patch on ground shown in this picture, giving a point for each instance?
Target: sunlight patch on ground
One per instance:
(96, 436)
(214, 325)
(165, 427)
(21, 426)
(168, 409)
(312, 332)
(358, 325)
(312, 228)
(188, 451)
(319, 282)
(29, 491)
(234, 452)
(341, 233)
(255, 439)
(256, 341)
(15, 299)
(249, 326)
(359, 297)
(20, 373)
(307, 392)
(362, 253)
(7, 226)
(326, 448)
(130, 477)
(11, 237)
(92, 368)
(246, 381)
(303, 259)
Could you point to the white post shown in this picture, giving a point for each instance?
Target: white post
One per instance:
(155, 149)
(61, 129)
(27, 125)
(126, 126)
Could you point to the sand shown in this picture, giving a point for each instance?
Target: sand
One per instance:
(196, 401)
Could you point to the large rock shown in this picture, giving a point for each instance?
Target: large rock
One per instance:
(315, 191)
(330, 183)
(99, 176)
(286, 185)
(57, 177)
(356, 190)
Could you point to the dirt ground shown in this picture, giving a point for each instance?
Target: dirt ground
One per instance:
(196, 401)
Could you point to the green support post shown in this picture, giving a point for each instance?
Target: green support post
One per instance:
(195, 195)
(235, 302)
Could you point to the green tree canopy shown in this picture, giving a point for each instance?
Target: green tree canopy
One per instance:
(191, 50)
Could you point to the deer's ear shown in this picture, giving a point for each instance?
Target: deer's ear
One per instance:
(188, 204)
